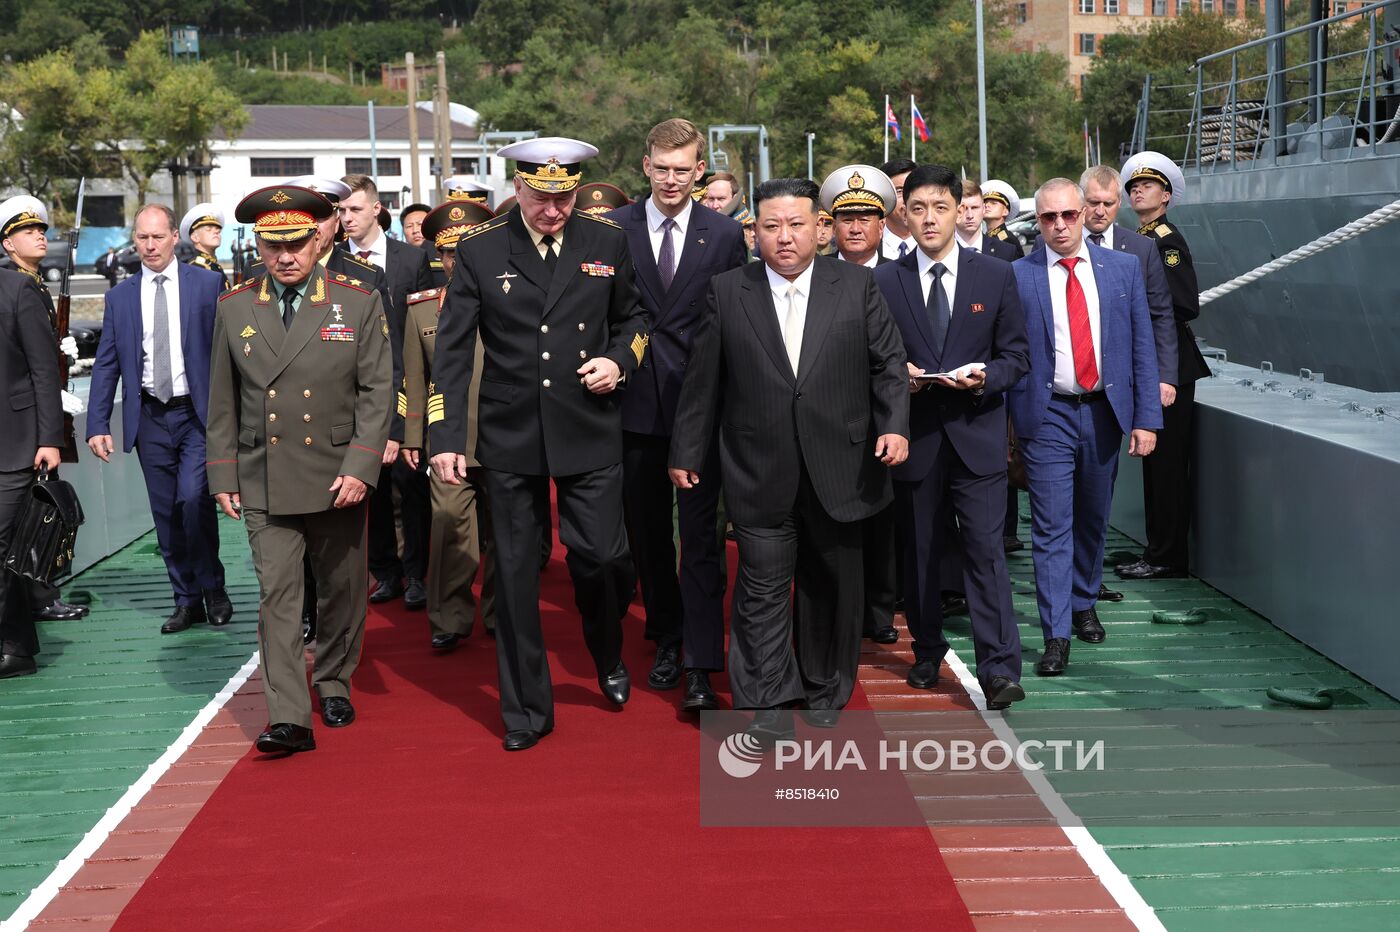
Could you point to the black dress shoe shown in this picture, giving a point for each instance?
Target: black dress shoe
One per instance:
(1055, 658)
(182, 618)
(218, 607)
(60, 610)
(445, 641)
(1144, 570)
(337, 712)
(954, 603)
(286, 738)
(769, 726)
(1012, 544)
(923, 675)
(15, 665)
(1002, 691)
(616, 684)
(1109, 595)
(885, 635)
(666, 670)
(822, 718)
(699, 697)
(1087, 627)
(522, 739)
(387, 591)
(414, 595)
(308, 628)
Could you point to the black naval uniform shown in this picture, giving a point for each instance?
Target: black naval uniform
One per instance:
(537, 422)
(203, 260)
(1166, 474)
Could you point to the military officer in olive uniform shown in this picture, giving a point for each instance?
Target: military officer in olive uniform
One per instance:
(1153, 183)
(550, 291)
(299, 407)
(203, 225)
(1000, 203)
(599, 197)
(459, 539)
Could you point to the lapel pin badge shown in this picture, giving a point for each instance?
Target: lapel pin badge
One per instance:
(505, 278)
(247, 349)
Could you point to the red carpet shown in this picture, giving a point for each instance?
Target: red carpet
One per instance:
(414, 818)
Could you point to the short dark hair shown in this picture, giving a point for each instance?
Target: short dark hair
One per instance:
(787, 187)
(933, 176)
(898, 167)
(413, 208)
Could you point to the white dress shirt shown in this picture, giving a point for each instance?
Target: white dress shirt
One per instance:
(378, 250)
(1065, 382)
(780, 285)
(654, 220)
(1107, 236)
(148, 322)
(870, 263)
(889, 244)
(950, 277)
(974, 246)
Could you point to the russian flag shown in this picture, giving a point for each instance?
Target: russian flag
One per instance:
(891, 120)
(920, 126)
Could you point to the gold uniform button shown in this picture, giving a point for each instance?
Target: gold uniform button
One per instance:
(545, 383)
(308, 441)
(272, 393)
(544, 356)
(272, 417)
(544, 328)
(306, 393)
(306, 417)
(273, 441)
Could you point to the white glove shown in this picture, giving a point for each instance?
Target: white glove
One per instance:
(69, 347)
(72, 404)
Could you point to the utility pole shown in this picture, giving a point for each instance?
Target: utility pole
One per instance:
(445, 122)
(981, 94)
(412, 124)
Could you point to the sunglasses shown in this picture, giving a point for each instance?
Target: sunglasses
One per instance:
(1068, 216)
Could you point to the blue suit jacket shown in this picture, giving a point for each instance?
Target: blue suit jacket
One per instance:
(714, 243)
(119, 350)
(1129, 370)
(987, 326)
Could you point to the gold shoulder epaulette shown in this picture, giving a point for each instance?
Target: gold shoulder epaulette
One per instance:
(365, 262)
(242, 287)
(423, 295)
(1164, 231)
(1000, 233)
(352, 283)
(435, 263)
(601, 219)
(493, 224)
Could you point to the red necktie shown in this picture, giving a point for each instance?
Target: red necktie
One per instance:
(364, 254)
(1081, 337)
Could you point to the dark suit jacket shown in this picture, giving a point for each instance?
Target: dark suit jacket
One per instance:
(406, 272)
(851, 386)
(987, 326)
(714, 243)
(119, 349)
(33, 414)
(1129, 370)
(534, 415)
(1003, 249)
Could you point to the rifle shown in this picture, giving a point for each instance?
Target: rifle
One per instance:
(69, 452)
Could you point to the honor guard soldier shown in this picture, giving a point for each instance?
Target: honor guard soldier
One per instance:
(459, 539)
(299, 408)
(24, 225)
(203, 225)
(601, 197)
(550, 291)
(999, 204)
(1153, 183)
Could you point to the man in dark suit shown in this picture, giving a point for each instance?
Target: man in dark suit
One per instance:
(895, 241)
(859, 197)
(970, 236)
(956, 310)
(551, 292)
(1093, 378)
(32, 425)
(406, 271)
(157, 330)
(677, 245)
(1153, 183)
(799, 367)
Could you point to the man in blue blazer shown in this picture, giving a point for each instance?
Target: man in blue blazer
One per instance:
(1093, 378)
(157, 331)
(953, 307)
(677, 245)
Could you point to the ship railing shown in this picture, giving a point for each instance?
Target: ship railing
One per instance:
(1247, 107)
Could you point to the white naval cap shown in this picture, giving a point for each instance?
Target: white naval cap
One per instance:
(332, 189)
(858, 187)
(1156, 167)
(20, 211)
(200, 215)
(462, 188)
(550, 164)
(1001, 191)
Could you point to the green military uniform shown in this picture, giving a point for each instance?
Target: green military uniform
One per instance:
(290, 410)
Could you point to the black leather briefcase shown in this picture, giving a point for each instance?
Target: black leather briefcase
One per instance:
(46, 532)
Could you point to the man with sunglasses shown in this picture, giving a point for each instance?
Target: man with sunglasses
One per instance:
(1093, 378)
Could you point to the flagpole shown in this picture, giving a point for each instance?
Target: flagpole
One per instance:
(1098, 145)
(913, 131)
(981, 93)
(885, 118)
